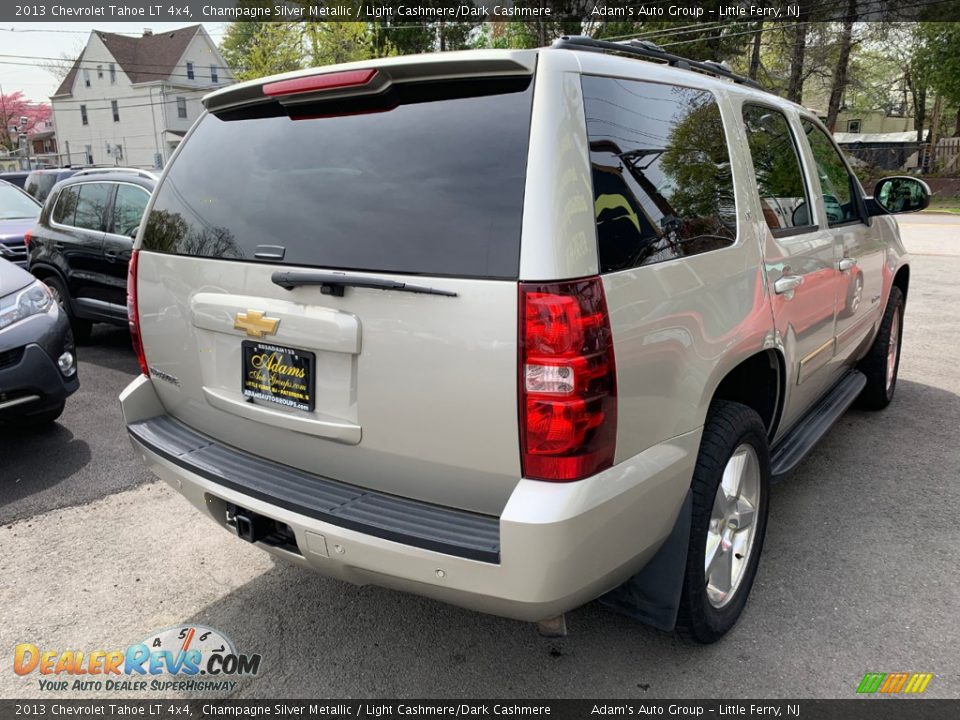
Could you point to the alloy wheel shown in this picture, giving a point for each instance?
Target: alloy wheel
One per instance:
(893, 347)
(732, 528)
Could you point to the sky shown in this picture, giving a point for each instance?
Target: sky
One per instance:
(21, 42)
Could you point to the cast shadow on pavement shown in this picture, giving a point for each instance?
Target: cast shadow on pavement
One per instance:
(36, 460)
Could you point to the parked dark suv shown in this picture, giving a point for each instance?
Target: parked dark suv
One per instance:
(15, 177)
(18, 213)
(39, 183)
(38, 362)
(81, 244)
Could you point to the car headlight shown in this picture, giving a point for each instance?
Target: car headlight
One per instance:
(34, 299)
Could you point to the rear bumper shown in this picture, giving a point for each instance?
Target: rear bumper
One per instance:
(554, 547)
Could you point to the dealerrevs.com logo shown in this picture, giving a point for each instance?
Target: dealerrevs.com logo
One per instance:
(178, 659)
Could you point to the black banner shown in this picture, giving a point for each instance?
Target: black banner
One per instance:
(861, 709)
(587, 11)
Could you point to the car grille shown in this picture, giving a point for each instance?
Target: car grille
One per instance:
(10, 357)
(14, 251)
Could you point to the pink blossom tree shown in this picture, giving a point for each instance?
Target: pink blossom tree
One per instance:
(14, 106)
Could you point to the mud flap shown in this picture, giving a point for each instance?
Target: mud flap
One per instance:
(652, 596)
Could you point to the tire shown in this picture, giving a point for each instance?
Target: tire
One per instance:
(81, 328)
(880, 368)
(734, 437)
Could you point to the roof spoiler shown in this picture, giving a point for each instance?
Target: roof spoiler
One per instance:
(369, 77)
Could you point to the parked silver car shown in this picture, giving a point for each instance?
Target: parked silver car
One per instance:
(511, 329)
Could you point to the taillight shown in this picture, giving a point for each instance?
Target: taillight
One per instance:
(26, 239)
(133, 313)
(568, 385)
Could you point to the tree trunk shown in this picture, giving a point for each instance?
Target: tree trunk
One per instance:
(933, 136)
(795, 89)
(918, 95)
(920, 112)
(843, 63)
(755, 57)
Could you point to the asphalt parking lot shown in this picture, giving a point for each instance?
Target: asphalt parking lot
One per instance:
(859, 571)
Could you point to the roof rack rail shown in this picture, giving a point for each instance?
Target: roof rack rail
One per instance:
(648, 50)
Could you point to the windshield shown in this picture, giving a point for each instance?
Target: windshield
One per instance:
(14, 205)
(432, 183)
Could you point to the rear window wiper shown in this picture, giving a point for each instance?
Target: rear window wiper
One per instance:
(334, 284)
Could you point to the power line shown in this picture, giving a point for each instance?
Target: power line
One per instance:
(87, 32)
(91, 64)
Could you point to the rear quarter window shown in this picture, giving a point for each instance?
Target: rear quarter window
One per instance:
(662, 182)
(428, 181)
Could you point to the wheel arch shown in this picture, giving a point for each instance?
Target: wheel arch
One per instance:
(902, 280)
(757, 381)
(42, 270)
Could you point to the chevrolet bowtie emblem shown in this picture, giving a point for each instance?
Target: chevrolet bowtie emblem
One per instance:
(254, 324)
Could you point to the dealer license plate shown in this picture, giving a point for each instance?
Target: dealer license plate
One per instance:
(277, 374)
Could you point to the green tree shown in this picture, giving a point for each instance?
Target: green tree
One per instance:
(256, 49)
(329, 43)
(938, 61)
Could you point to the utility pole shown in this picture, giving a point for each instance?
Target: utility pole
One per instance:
(3, 105)
(24, 140)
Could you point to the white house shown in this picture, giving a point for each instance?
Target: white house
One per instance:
(130, 100)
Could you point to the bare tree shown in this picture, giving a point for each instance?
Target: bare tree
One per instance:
(60, 68)
(795, 87)
(843, 63)
(755, 56)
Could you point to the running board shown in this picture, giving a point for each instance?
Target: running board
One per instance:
(795, 445)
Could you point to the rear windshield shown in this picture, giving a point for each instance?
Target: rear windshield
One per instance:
(428, 180)
(40, 184)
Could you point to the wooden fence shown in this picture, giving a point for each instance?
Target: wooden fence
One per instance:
(944, 158)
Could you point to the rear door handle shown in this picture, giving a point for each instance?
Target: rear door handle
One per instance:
(787, 284)
(110, 255)
(847, 263)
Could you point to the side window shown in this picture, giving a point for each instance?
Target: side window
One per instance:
(662, 184)
(66, 206)
(128, 208)
(776, 164)
(836, 183)
(91, 204)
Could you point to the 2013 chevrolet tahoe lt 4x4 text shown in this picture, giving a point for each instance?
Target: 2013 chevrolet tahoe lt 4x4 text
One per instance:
(511, 329)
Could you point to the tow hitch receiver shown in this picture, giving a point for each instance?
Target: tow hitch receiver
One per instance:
(249, 526)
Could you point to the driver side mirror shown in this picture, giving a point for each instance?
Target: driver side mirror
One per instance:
(901, 194)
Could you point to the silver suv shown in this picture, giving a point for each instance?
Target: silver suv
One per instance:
(514, 330)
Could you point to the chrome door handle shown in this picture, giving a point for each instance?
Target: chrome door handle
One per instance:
(847, 263)
(787, 283)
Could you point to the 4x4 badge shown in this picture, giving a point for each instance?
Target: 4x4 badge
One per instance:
(254, 324)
